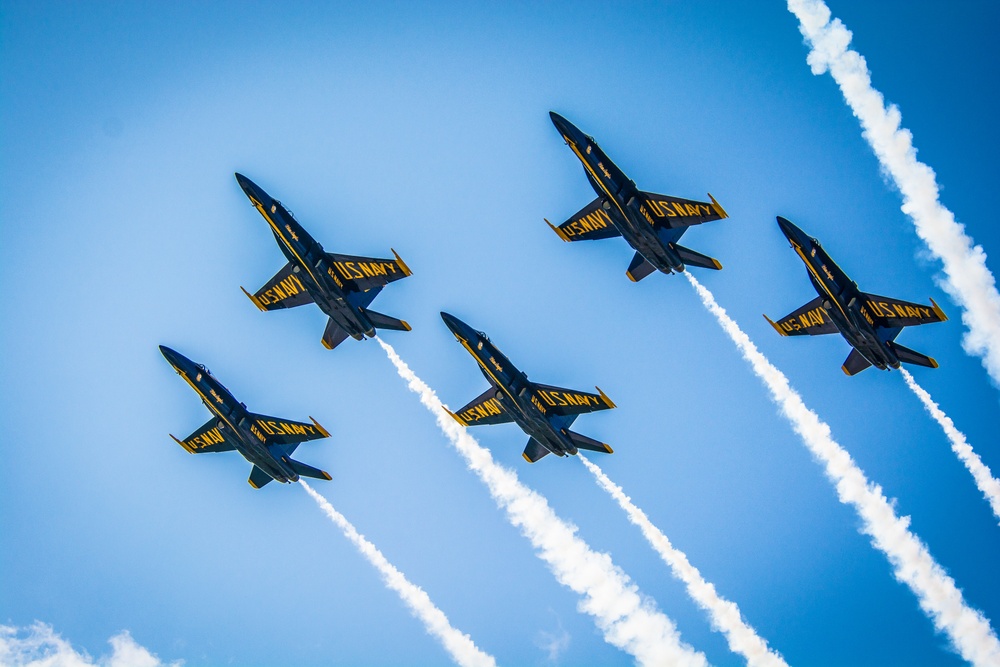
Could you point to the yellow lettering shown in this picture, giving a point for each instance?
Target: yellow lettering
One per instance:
(367, 269)
(679, 208)
(691, 209)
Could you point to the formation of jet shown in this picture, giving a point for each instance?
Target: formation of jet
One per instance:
(652, 224)
(543, 412)
(266, 442)
(870, 323)
(342, 286)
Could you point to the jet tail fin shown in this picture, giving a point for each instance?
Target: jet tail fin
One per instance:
(258, 478)
(583, 442)
(855, 363)
(304, 470)
(381, 321)
(334, 335)
(639, 268)
(908, 356)
(692, 258)
(534, 451)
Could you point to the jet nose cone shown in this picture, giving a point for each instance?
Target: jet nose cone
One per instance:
(170, 355)
(249, 187)
(561, 123)
(457, 326)
(792, 232)
(449, 320)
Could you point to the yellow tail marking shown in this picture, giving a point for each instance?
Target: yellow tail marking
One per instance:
(777, 328)
(326, 434)
(939, 312)
(718, 264)
(718, 207)
(402, 265)
(628, 274)
(846, 372)
(934, 363)
(406, 325)
(525, 456)
(608, 448)
(250, 482)
(255, 300)
(558, 231)
(604, 397)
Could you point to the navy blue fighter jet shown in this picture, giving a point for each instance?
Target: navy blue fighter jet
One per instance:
(870, 323)
(343, 286)
(544, 412)
(266, 442)
(652, 224)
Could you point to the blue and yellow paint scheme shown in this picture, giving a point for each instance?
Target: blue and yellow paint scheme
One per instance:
(343, 286)
(266, 442)
(869, 322)
(651, 223)
(543, 412)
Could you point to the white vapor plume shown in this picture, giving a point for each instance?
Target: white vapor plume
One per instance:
(458, 644)
(628, 620)
(966, 277)
(41, 646)
(987, 484)
(724, 614)
(912, 563)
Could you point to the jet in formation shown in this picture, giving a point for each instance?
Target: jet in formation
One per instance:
(543, 412)
(266, 442)
(343, 286)
(870, 323)
(652, 224)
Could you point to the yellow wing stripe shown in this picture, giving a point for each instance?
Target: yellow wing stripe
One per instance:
(402, 265)
(776, 327)
(558, 231)
(607, 401)
(939, 313)
(718, 208)
(255, 300)
(326, 434)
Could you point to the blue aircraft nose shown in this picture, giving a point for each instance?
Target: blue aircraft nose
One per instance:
(173, 357)
(793, 233)
(566, 128)
(457, 326)
(249, 187)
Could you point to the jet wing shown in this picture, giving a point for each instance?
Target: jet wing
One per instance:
(897, 313)
(560, 401)
(360, 274)
(277, 431)
(668, 211)
(809, 320)
(209, 438)
(590, 223)
(284, 290)
(484, 409)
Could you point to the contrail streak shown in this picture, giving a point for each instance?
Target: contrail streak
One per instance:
(985, 481)
(458, 644)
(725, 615)
(628, 620)
(967, 279)
(912, 563)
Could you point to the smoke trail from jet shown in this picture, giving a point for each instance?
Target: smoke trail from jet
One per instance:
(724, 614)
(628, 620)
(985, 481)
(458, 644)
(966, 277)
(912, 563)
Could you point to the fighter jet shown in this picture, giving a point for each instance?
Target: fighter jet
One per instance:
(544, 412)
(266, 442)
(652, 224)
(342, 286)
(870, 323)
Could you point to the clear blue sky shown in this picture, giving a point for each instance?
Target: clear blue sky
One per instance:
(427, 130)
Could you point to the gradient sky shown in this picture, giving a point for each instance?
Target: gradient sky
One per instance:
(426, 130)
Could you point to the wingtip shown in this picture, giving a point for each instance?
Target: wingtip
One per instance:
(776, 327)
(718, 207)
(326, 476)
(938, 311)
(604, 397)
(607, 448)
(934, 363)
(319, 427)
(255, 300)
(718, 264)
(402, 264)
(406, 325)
(182, 444)
(558, 231)
(456, 417)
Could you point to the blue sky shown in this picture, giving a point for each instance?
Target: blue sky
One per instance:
(426, 130)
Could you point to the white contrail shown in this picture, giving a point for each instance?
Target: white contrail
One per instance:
(724, 614)
(912, 563)
(628, 620)
(967, 279)
(988, 484)
(458, 644)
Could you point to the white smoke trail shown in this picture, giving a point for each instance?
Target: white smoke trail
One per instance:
(628, 620)
(458, 644)
(912, 563)
(967, 279)
(724, 614)
(987, 484)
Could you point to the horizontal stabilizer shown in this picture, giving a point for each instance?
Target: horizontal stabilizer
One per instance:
(381, 321)
(908, 356)
(258, 478)
(855, 363)
(534, 451)
(692, 258)
(583, 442)
(304, 470)
(639, 268)
(334, 335)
